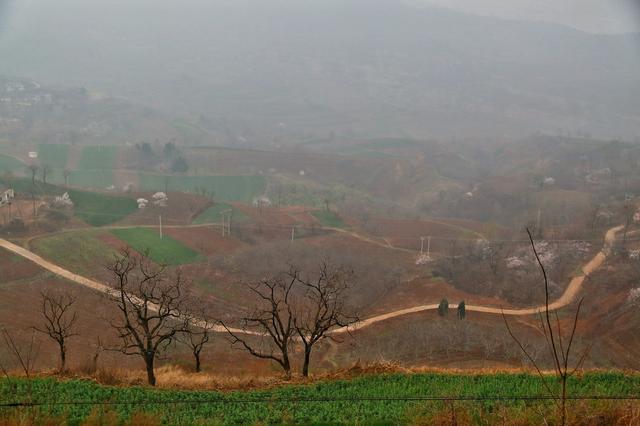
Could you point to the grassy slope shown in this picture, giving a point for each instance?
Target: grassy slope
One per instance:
(228, 188)
(99, 179)
(98, 158)
(329, 218)
(78, 251)
(99, 209)
(54, 155)
(10, 164)
(166, 250)
(212, 214)
(352, 412)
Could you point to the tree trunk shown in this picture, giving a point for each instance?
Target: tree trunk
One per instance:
(563, 408)
(305, 366)
(63, 357)
(151, 376)
(196, 355)
(286, 365)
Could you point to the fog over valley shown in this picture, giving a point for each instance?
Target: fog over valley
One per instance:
(354, 67)
(349, 212)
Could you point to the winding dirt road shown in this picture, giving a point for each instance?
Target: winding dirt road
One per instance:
(570, 294)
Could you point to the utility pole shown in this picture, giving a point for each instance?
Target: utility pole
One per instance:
(428, 246)
(226, 222)
(421, 245)
(293, 233)
(538, 220)
(160, 220)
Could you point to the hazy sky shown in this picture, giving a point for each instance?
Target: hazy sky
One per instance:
(599, 16)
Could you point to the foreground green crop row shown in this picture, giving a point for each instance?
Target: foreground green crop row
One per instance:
(323, 402)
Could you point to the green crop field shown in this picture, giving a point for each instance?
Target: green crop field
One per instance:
(80, 251)
(330, 402)
(97, 179)
(99, 209)
(90, 179)
(165, 251)
(98, 157)
(25, 186)
(10, 164)
(53, 155)
(212, 214)
(227, 188)
(329, 218)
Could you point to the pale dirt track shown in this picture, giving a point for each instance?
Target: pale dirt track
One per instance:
(569, 295)
(572, 290)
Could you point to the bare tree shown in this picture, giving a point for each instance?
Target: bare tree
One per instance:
(25, 356)
(46, 169)
(322, 306)
(272, 319)
(33, 168)
(59, 320)
(559, 346)
(198, 334)
(66, 173)
(151, 304)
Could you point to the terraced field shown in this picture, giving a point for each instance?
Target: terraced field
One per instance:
(79, 251)
(227, 188)
(99, 209)
(98, 158)
(329, 218)
(167, 250)
(53, 155)
(213, 214)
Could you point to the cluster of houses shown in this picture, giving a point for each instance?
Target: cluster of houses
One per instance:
(159, 199)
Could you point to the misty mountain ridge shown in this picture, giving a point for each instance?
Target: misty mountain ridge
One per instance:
(299, 70)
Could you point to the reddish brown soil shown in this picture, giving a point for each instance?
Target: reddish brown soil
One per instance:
(301, 215)
(334, 240)
(422, 291)
(14, 267)
(206, 240)
(112, 240)
(406, 233)
(266, 215)
(181, 209)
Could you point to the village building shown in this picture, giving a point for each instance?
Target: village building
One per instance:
(6, 195)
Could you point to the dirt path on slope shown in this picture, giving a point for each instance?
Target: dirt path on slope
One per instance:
(567, 297)
(367, 239)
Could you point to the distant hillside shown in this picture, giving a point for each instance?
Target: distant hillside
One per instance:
(285, 70)
(33, 113)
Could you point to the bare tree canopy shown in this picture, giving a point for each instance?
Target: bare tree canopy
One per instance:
(292, 305)
(272, 321)
(559, 346)
(152, 305)
(59, 320)
(322, 307)
(197, 335)
(24, 355)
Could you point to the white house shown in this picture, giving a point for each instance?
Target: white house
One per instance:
(262, 201)
(6, 195)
